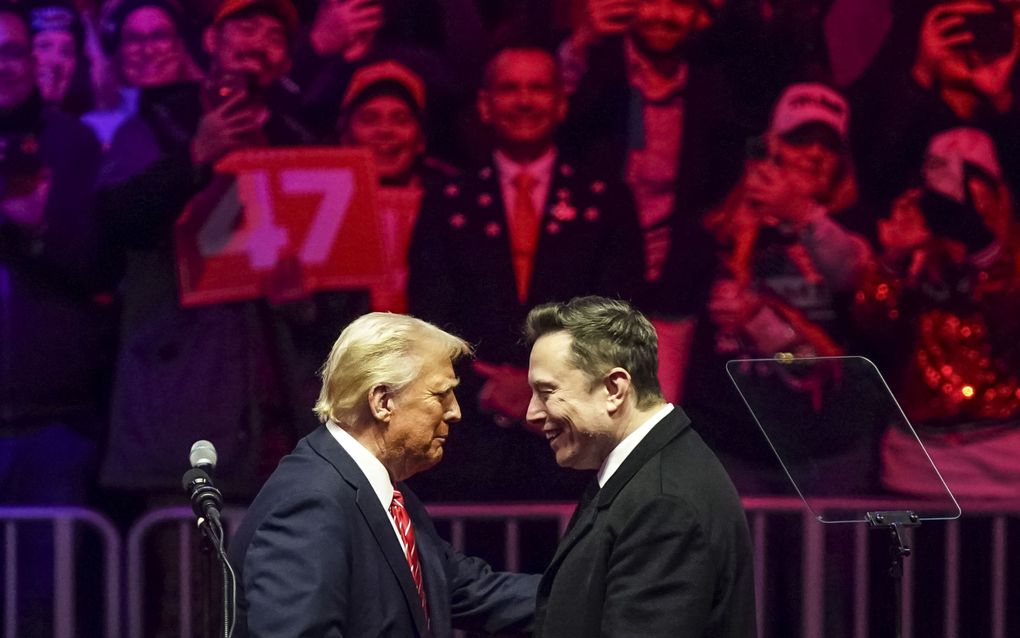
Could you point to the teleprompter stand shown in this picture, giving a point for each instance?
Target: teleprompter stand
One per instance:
(815, 410)
(895, 522)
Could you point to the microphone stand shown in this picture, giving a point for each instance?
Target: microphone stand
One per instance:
(206, 502)
(213, 548)
(207, 602)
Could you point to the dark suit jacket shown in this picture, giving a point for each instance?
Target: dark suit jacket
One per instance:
(716, 125)
(462, 279)
(461, 273)
(316, 556)
(662, 550)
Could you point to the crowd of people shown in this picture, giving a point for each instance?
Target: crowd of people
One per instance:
(818, 178)
(812, 177)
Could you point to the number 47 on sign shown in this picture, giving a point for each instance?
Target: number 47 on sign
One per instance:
(282, 223)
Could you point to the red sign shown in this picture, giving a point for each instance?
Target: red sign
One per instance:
(282, 223)
(397, 210)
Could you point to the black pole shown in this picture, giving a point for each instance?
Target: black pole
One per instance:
(896, 523)
(207, 603)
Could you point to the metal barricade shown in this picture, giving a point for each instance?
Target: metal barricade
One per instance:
(807, 537)
(945, 597)
(183, 519)
(64, 521)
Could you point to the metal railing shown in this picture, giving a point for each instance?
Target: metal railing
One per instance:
(64, 521)
(940, 551)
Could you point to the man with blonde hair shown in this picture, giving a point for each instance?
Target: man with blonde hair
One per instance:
(335, 544)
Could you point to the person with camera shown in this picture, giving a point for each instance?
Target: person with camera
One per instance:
(219, 356)
(943, 313)
(964, 73)
(51, 331)
(645, 105)
(785, 271)
(209, 372)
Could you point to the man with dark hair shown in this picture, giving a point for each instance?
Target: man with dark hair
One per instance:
(526, 228)
(643, 104)
(659, 544)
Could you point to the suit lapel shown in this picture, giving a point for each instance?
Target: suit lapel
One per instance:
(375, 517)
(664, 431)
(584, 518)
(580, 524)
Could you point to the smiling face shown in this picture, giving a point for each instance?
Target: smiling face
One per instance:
(814, 152)
(420, 415)
(151, 51)
(522, 101)
(55, 57)
(661, 26)
(250, 43)
(390, 129)
(567, 407)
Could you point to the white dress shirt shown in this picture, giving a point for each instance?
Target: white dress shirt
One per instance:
(373, 470)
(540, 170)
(627, 445)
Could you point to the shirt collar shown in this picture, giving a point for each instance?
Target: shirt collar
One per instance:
(627, 445)
(643, 76)
(540, 168)
(371, 467)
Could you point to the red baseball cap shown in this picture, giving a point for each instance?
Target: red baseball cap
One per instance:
(282, 9)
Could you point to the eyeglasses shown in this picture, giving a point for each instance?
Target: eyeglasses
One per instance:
(138, 40)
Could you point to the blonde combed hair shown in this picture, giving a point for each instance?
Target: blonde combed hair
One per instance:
(379, 348)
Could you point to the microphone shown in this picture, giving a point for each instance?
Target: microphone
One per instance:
(203, 455)
(206, 500)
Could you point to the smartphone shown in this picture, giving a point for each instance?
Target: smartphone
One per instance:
(225, 85)
(993, 32)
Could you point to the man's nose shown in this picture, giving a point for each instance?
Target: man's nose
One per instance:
(453, 414)
(535, 413)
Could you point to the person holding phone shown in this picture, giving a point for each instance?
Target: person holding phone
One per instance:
(642, 108)
(181, 131)
(784, 271)
(964, 73)
(947, 289)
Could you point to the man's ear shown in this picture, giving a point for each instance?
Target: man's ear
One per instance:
(617, 384)
(562, 106)
(209, 37)
(482, 103)
(380, 402)
(703, 19)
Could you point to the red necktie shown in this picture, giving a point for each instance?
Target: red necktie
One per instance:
(524, 222)
(399, 514)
